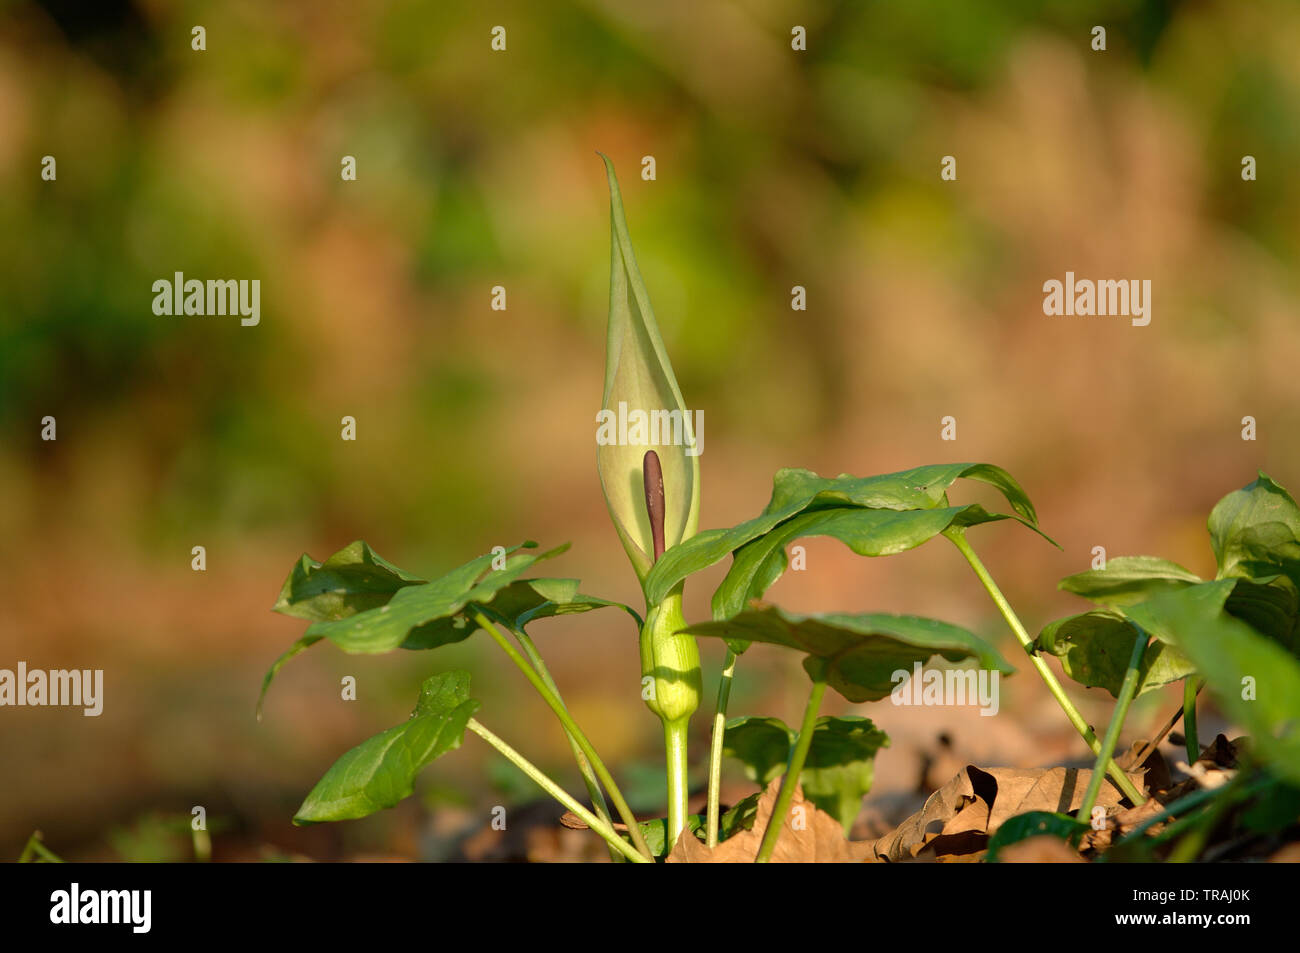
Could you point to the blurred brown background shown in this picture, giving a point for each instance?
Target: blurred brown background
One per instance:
(475, 169)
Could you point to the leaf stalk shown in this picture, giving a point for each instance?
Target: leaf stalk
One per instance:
(601, 827)
(575, 732)
(958, 537)
(1127, 691)
(793, 769)
(715, 748)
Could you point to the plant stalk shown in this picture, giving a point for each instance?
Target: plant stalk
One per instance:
(571, 726)
(584, 766)
(1127, 689)
(601, 827)
(715, 747)
(36, 848)
(792, 771)
(670, 668)
(1121, 780)
(1190, 845)
(1191, 688)
(1187, 803)
(670, 659)
(675, 749)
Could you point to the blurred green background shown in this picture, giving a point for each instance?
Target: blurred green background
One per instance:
(475, 427)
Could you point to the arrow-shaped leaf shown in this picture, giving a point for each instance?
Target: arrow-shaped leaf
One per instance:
(862, 652)
(868, 532)
(381, 771)
(1271, 605)
(762, 745)
(518, 604)
(796, 492)
(1255, 532)
(1127, 580)
(1255, 680)
(354, 579)
(389, 626)
(1094, 648)
(839, 767)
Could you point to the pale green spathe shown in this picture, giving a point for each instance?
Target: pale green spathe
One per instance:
(639, 374)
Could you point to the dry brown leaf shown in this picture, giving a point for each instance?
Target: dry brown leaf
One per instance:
(1289, 854)
(1060, 790)
(1041, 849)
(1222, 753)
(939, 808)
(807, 836)
(1122, 822)
(1155, 768)
(958, 818)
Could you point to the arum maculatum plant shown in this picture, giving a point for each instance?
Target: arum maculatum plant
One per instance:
(364, 604)
(1237, 634)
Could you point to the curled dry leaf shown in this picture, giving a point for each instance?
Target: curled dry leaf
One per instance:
(808, 836)
(1154, 767)
(1222, 753)
(1121, 822)
(957, 819)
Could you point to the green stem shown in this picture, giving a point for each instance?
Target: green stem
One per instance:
(1127, 689)
(958, 537)
(675, 746)
(571, 726)
(1182, 805)
(1202, 825)
(792, 771)
(1191, 687)
(584, 765)
(36, 846)
(601, 827)
(715, 747)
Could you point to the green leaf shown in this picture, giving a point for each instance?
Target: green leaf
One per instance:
(1255, 680)
(1255, 532)
(1031, 824)
(433, 604)
(861, 653)
(381, 771)
(762, 745)
(566, 600)
(796, 492)
(841, 762)
(1271, 606)
(868, 532)
(517, 604)
(302, 645)
(656, 832)
(1094, 648)
(639, 379)
(837, 772)
(1129, 579)
(738, 818)
(1274, 809)
(354, 579)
